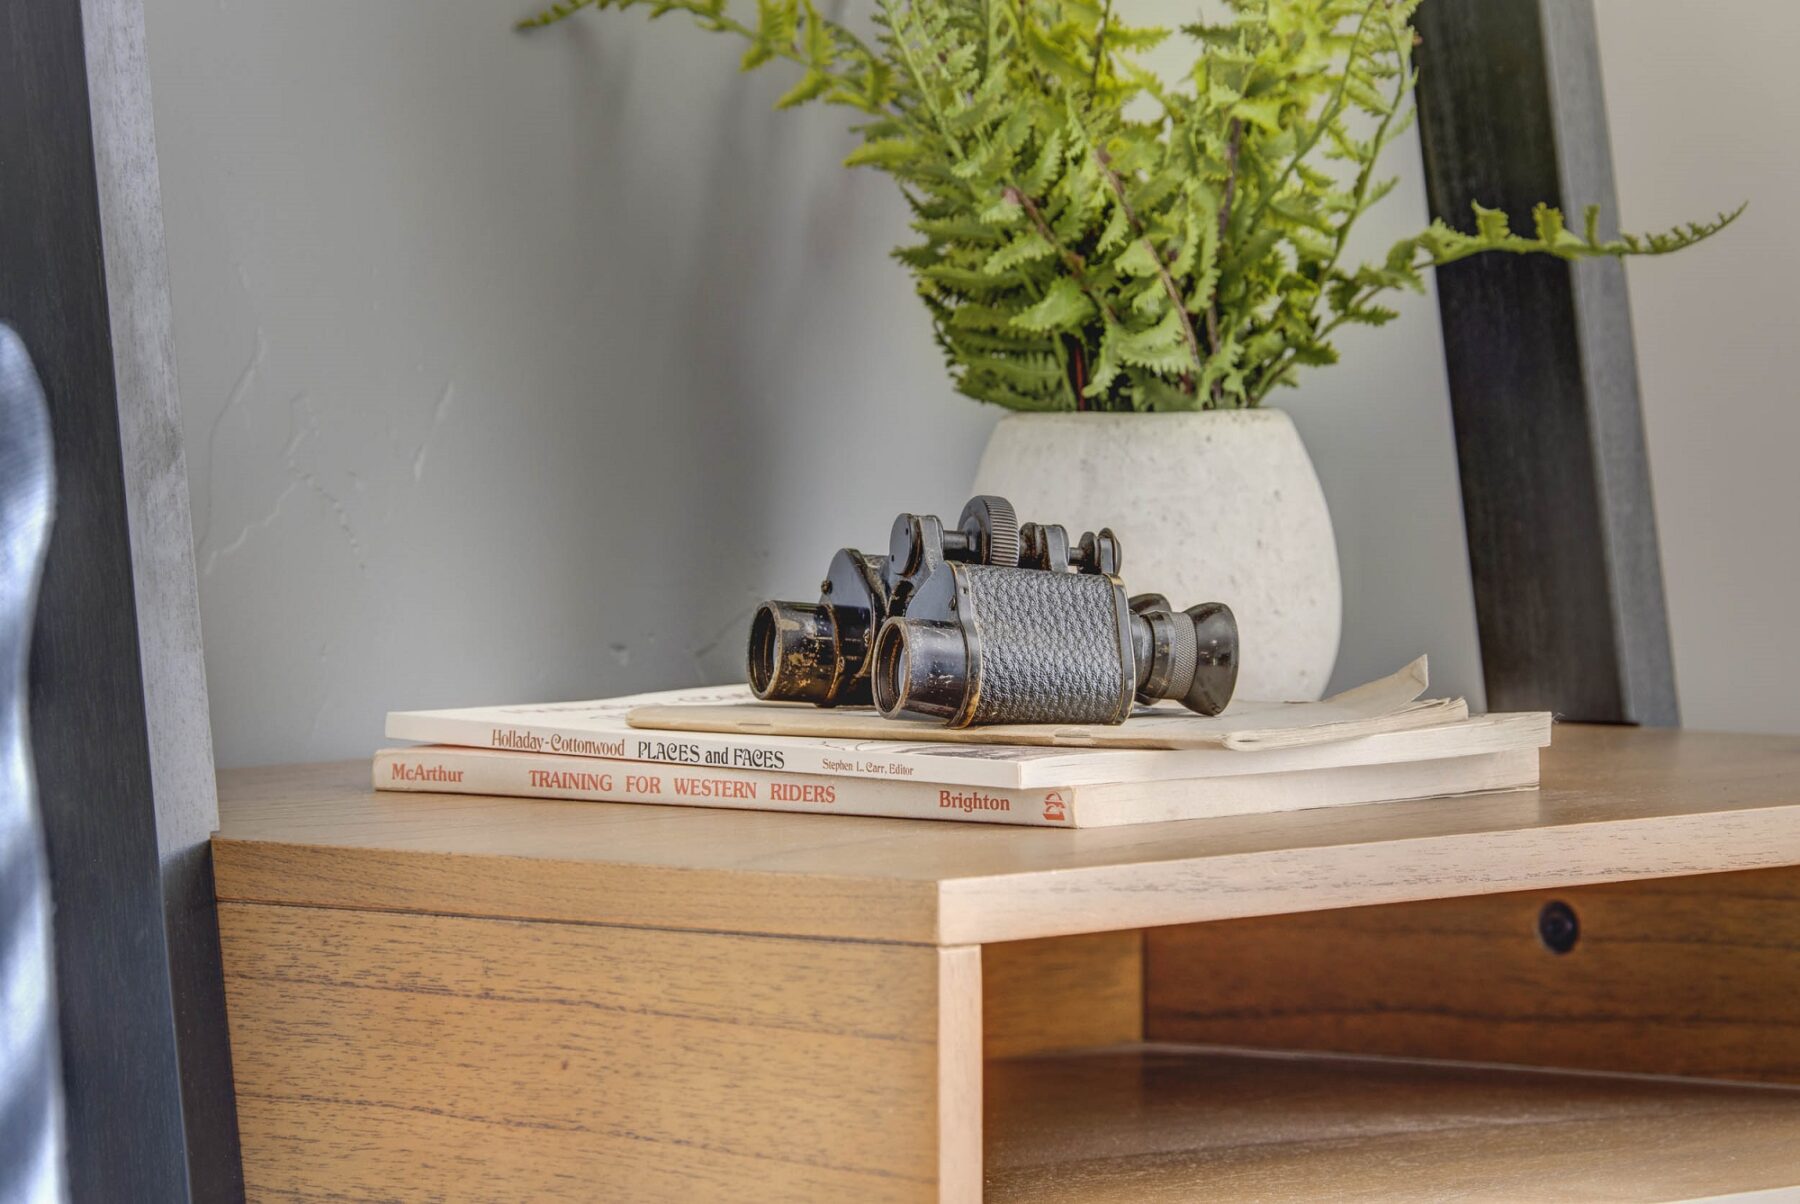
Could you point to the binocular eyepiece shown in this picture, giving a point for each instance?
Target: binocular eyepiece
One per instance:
(991, 622)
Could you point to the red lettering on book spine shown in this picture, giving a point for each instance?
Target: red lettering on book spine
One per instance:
(555, 779)
(797, 792)
(402, 772)
(968, 801)
(732, 788)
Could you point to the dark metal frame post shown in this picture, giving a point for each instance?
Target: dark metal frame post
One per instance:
(1543, 374)
(117, 689)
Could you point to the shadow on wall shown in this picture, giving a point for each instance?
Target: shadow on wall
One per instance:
(517, 367)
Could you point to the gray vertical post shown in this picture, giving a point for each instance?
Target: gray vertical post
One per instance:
(117, 686)
(178, 727)
(1543, 374)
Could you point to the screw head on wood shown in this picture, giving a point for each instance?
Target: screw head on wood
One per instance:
(1558, 927)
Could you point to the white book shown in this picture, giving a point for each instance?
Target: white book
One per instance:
(601, 729)
(458, 770)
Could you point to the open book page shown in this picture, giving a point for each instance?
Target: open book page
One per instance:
(1390, 704)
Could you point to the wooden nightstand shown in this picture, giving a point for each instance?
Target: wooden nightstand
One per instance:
(446, 997)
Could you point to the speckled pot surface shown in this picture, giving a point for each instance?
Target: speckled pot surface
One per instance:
(1218, 506)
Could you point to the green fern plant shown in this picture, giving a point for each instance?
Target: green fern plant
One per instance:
(1074, 256)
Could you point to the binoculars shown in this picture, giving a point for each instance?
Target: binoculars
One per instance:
(991, 622)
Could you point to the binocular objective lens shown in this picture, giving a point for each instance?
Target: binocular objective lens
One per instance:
(793, 653)
(890, 668)
(762, 650)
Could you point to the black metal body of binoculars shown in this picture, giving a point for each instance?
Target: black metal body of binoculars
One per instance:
(991, 622)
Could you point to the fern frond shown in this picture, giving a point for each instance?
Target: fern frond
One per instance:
(553, 14)
(1075, 254)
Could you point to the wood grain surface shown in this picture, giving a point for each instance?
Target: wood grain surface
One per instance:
(1690, 976)
(1172, 1125)
(1616, 804)
(423, 1057)
(960, 1081)
(1062, 992)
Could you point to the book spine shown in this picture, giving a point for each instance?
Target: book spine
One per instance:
(696, 750)
(441, 770)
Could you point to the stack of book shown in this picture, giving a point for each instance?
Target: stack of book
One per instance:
(718, 747)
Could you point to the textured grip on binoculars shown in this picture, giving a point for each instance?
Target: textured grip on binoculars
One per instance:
(1049, 647)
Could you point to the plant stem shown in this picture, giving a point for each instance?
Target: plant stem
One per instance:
(1233, 142)
(1076, 264)
(1162, 270)
(912, 67)
(1273, 373)
(1100, 45)
(1366, 175)
(1326, 117)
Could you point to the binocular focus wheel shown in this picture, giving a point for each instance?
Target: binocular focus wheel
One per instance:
(1184, 652)
(998, 524)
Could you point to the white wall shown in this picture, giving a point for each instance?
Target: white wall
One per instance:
(515, 367)
(1704, 103)
(522, 367)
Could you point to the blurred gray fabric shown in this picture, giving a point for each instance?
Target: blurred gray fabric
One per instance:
(31, 1118)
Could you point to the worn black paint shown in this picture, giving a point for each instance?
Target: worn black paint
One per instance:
(1555, 484)
(122, 1063)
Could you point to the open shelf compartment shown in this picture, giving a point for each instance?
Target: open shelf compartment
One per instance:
(1471, 1057)
(1154, 1122)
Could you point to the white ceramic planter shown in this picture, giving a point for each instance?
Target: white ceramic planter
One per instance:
(1213, 506)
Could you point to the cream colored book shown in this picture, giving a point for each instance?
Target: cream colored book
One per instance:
(457, 770)
(1251, 738)
(604, 734)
